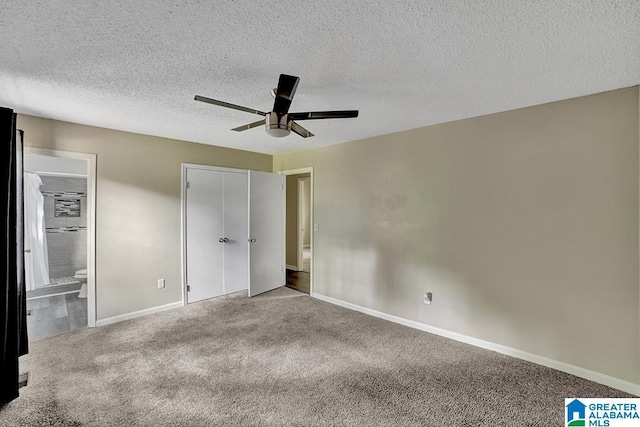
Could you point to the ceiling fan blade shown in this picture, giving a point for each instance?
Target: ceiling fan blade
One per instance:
(285, 91)
(300, 130)
(314, 115)
(249, 126)
(228, 105)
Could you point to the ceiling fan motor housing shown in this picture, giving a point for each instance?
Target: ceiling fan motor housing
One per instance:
(278, 125)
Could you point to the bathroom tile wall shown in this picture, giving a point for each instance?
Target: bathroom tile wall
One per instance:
(67, 250)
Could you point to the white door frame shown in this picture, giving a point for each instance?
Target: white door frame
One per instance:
(183, 215)
(91, 220)
(299, 171)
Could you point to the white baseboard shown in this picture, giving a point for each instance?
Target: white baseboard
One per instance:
(133, 315)
(291, 267)
(594, 376)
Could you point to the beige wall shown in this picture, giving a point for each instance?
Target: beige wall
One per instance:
(523, 224)
(292, 219)
(138, 206)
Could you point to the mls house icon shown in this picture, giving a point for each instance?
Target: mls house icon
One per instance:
(576, 413)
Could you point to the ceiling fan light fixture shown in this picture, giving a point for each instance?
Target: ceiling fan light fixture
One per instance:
(278, 125)
(280, 122)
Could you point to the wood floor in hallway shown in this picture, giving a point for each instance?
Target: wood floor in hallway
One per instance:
(299, 280)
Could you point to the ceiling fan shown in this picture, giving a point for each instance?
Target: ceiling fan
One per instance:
(280, 122)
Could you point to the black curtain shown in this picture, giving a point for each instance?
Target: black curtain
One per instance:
(13, 319)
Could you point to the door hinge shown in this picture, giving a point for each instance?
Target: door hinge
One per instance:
(188, 288)
(187, 185)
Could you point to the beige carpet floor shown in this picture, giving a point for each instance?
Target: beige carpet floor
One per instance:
(281, 358)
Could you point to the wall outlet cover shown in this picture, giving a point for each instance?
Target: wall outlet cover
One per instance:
(161, 283)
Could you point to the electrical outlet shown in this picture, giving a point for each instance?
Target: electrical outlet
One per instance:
(428, 298)
(161, 283)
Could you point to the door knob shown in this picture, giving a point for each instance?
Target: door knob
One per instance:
(223, 240)
(252, 240)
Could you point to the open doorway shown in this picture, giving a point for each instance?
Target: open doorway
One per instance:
(59, 250)
(299, 233)
(304, 224)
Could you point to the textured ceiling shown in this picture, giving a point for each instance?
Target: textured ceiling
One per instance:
(136, 65)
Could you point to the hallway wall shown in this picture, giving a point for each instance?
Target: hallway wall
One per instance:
(292, 219)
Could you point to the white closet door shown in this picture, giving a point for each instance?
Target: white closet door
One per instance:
(266, 231)
(204, 227)
(236, 249)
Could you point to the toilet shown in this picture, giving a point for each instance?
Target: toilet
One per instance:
(81, 276)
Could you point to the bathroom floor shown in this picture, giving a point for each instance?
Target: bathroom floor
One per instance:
(52, 315)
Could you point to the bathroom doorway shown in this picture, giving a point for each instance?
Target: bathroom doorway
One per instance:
(59, 230)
